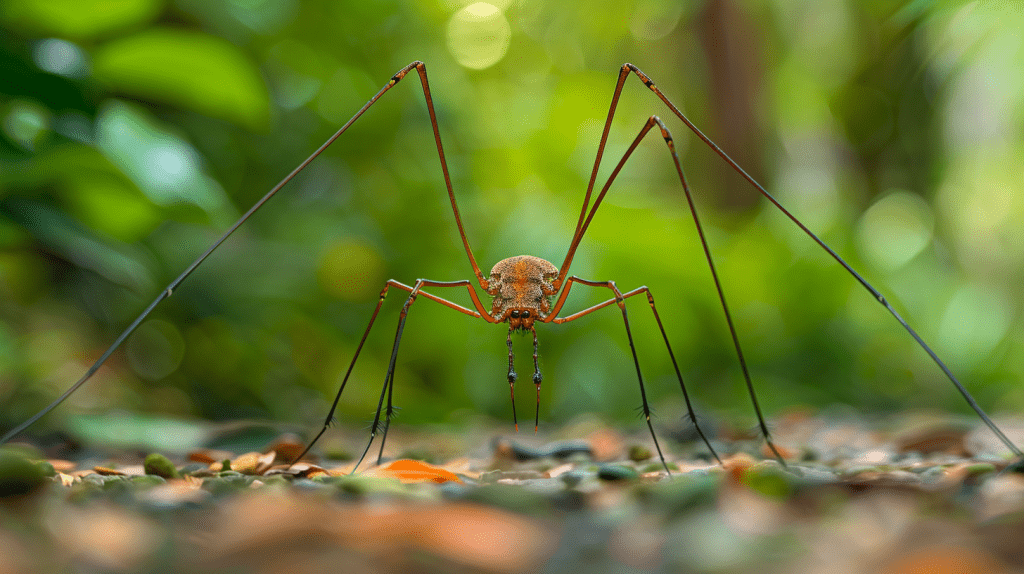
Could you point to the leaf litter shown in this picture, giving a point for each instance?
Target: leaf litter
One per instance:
(926, 497)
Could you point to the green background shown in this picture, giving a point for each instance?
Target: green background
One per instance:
(135, 132)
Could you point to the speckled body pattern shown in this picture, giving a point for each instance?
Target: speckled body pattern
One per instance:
(522, 289)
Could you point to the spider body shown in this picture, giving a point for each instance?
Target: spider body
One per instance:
(522, 287)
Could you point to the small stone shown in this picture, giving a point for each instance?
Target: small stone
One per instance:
(617, 472)
(159, 465)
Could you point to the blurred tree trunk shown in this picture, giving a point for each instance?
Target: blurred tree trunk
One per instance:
(734, 48)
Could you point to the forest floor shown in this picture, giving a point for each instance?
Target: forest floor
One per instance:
(922, 495)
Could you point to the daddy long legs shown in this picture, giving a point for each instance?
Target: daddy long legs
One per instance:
(527, 290)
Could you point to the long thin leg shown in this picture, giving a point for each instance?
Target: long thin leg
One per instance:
(375, 426)
(390, 376)
(691, 414)
(718, 287)
(512, 377)
(421, 69)
(651, 122)
(619, 299)
(586, 216)
(645, 406)
(380, 301)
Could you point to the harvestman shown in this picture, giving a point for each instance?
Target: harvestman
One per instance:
(524, 286)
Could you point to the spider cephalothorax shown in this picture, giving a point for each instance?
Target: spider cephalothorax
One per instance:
(522, 289)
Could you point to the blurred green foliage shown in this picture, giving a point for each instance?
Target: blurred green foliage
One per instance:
(135, 132)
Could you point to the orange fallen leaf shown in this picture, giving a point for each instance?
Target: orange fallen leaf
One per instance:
(409, 471)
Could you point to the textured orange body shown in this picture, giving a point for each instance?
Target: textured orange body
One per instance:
(522, 289)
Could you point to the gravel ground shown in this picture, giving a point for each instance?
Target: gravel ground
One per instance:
(931, 496)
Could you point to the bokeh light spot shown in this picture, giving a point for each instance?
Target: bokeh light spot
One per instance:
(654, 19)
(26, 123)
(59, 57)
(975, 321)
(478, 35)
(895, 229)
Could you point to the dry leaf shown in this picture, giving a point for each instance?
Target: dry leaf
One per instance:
(409, 471)
(209, 456)
(265, 462)
(288, 447)
(246, 463)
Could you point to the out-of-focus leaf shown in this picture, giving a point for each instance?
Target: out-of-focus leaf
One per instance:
(93, 189)
(78, 18)
(164, 166)
(112, 206)
(139, 431)
(188, 69)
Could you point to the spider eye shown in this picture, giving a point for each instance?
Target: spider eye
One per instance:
(526, 314)
(515, 314)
